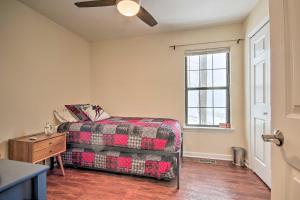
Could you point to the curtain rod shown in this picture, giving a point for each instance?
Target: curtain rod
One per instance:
(191, 44)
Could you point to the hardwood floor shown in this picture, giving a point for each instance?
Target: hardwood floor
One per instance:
(199, 181)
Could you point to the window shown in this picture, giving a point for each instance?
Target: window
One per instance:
(207, 88)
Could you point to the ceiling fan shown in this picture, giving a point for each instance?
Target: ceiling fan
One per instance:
(125, 7)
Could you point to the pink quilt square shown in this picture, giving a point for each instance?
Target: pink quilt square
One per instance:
(125, 163)
(164, 167)
(88, 158)
(139, 123)
(169, 122)
(120, 140)
(85, 137)
(159, 144)
(134, 120)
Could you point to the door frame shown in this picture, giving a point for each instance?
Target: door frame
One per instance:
(257, 28)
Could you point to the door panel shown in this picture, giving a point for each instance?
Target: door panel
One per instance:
(292, 60)
(285, 89)
(292, 27)
(260, 103)
(259, 125)
(259, 81)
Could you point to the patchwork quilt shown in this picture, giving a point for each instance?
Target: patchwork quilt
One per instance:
(154, 134)
(160, 167)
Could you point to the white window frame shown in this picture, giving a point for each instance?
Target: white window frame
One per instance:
(227, 87)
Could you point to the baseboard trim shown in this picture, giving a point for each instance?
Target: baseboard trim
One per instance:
(247, 164)
(207, 155)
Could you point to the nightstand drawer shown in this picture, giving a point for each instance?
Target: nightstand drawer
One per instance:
(48, 143)
(48, 152)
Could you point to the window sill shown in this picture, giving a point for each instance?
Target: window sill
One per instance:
(208, 128)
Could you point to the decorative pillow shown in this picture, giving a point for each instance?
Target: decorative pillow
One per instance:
(62, 114)
(95, 112)
(77, 110)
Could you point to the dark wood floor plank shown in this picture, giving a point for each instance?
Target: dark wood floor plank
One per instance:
(199, 181)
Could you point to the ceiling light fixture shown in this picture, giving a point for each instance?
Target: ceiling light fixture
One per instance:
(128, 7)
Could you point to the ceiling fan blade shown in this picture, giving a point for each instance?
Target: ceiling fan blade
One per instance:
(146, 17)
(99, 3)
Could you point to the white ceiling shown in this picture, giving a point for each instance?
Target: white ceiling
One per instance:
(106, 22)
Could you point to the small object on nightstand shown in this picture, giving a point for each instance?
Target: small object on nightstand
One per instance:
(33, 138)
(48, 129)
(38, 147)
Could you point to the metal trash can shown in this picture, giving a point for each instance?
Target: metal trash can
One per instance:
(239, 155)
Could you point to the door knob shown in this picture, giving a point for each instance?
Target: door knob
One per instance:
(276, 137)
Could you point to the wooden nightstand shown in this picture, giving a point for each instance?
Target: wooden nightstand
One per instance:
(33, 151)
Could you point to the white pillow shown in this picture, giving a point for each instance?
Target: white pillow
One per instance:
(95, 112)
(63, 115)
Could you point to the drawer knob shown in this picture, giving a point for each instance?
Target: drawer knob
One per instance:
(50, 151)
(50, 142)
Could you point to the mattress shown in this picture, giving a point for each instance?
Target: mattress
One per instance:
(155, 134)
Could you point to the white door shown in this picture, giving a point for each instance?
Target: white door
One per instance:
(285, 97)
(260, 103)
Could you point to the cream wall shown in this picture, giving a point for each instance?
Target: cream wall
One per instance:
(142, 76)
(260, 12)
(42, 66)
(258, 15)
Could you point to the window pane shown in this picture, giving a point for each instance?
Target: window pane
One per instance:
(193, 116)
(206, 61)
(206, 78)
(220, 116)
(193, 98)
(193, 79)
(206, 116)
(220, 98)
(206, 99)
(220, 60)
(193, 62)
(220, 77)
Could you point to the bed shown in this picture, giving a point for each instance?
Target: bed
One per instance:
(140, 146)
